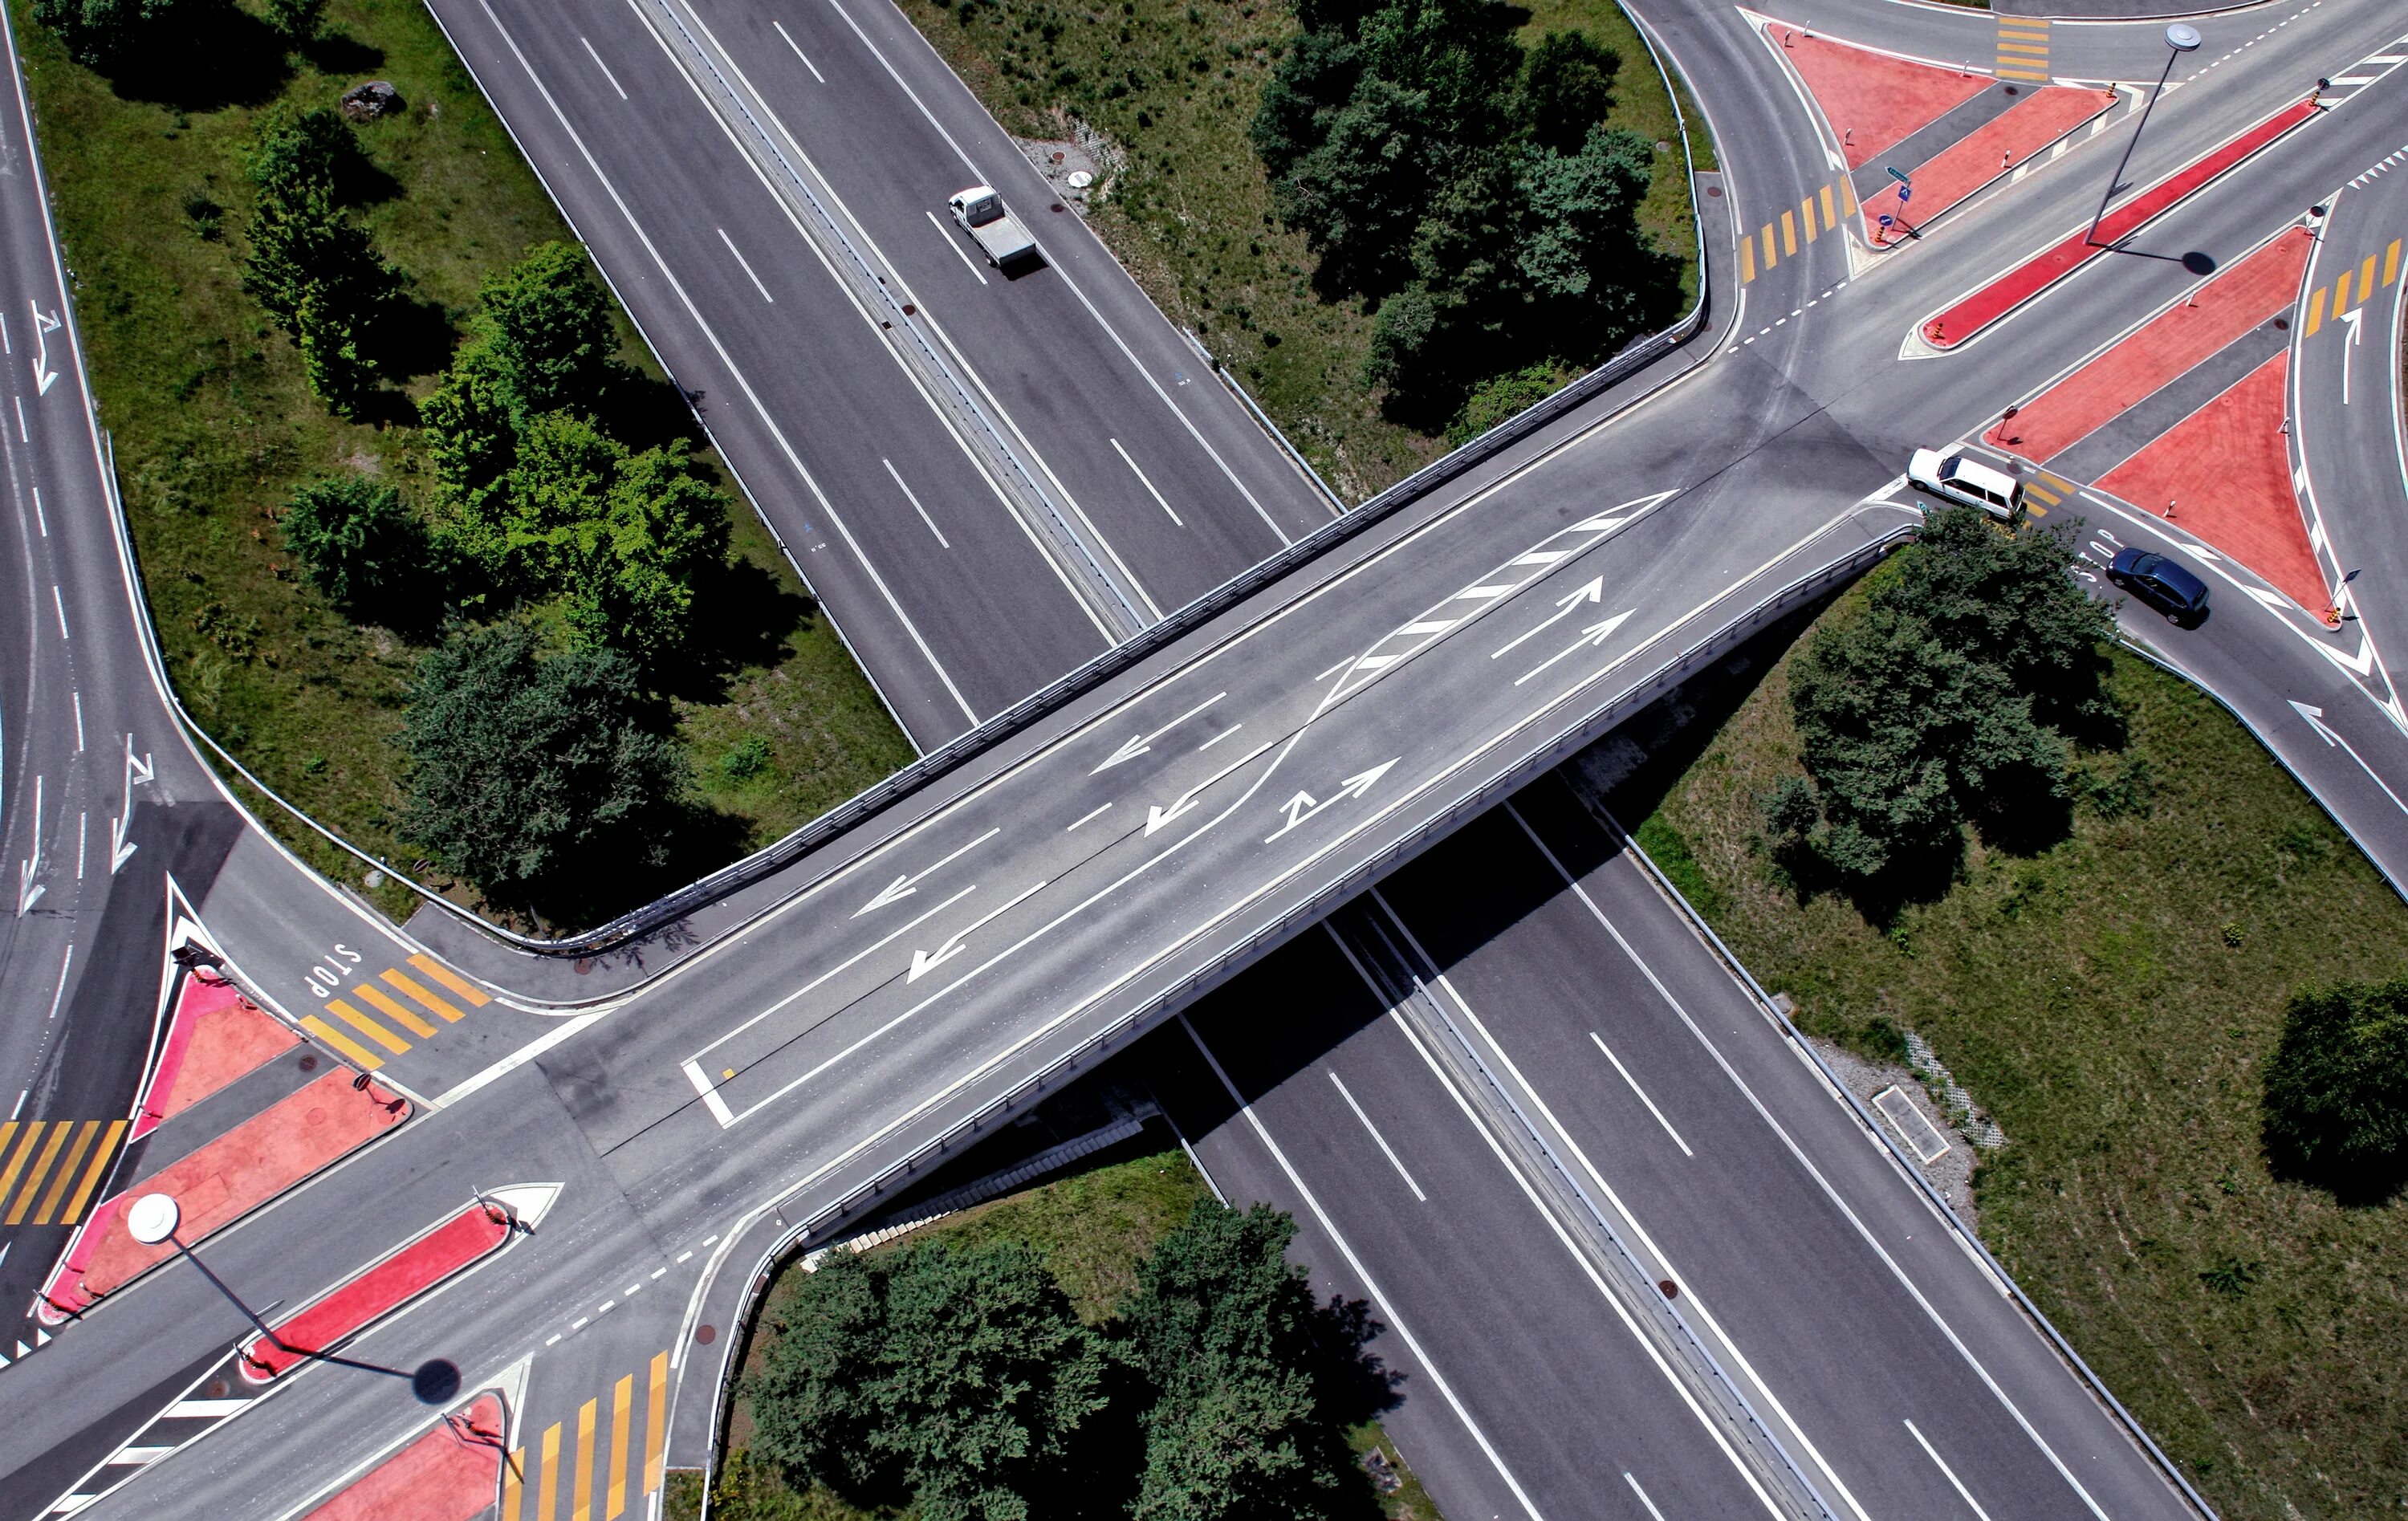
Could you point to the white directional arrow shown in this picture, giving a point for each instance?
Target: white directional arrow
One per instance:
(1158, 816)
(923, 961)
(121, 850)
(903, 887)
(2356, 317)
(1591, 637)
(1302, 806)
(1592, 591)
(43, 375)
(2315, 717)
(1144, 742)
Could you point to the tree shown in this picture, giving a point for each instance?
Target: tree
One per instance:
(530, 775)
(1940, 699)
(1567, 89)
(297, 21)
(1224, 1327)
(640, 565)
(101, 32)
(1580, 216)
(1458, 54)
(2335, 1107)
(355, 538)
(954, 1378)
(548, 326)
(1313, 78)
(315, 270)
(1359, 193)
(472, 444)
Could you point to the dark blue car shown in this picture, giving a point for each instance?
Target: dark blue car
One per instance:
(2158, 581)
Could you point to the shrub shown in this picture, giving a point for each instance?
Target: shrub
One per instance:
(2335, 1107)
(100, 33)
(355, 539)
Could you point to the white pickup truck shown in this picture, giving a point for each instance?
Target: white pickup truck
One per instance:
(980, 212)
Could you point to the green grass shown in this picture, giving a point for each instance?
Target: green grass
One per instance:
(2111, 1003)
(1091, 1230)
(213, 425)
(1191, 216)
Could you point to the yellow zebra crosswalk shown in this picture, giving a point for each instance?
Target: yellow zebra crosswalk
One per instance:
(1820, 212)
(2351, 288)
(2023, 49)
(2045, 490)
(384, 1011)
(49, 1169)
(604, 1457)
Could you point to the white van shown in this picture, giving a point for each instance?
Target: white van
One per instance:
(1953, 476)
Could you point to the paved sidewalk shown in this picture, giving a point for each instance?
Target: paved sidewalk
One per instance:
(451, 1474)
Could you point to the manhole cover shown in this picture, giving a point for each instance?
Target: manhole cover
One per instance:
(217, 1389)
(1714, 193)
(706, 1334)
(308, 1063)
(1670, 1289)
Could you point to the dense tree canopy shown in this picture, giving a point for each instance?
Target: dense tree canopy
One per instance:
(315, 270)
(1952, 696)
(526, 770)
(356, 540)
(2336, 1095)
(1468, 186)
(99, 33)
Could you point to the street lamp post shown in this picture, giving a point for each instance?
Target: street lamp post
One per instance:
(154, 1218)
(2181, 37)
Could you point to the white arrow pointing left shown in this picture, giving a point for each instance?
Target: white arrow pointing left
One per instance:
(904, 886)
(923, 961)
(43, 375)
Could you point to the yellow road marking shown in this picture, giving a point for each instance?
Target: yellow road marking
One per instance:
(2042, 49)
(2063, 487)
(582, 1508)
(65, 1174)
(2366, 277)
(1829, 219)
(1848, 197)
(1769, 257)
(1788, 232)
(622, 1400)
(656, 1401)
(2340, 295)
(2316, 314)
(452, 980)
(370, 993)
(418, 994)
(41, 1167)
(2035, 489)
(92, 1174)
(1806, 214)
(16, 1162)
(2036, 76)
(368, 1026)
(513, 1486)
(360, 1055)
(1746, 260)
(547, 1499)
(2391, 262)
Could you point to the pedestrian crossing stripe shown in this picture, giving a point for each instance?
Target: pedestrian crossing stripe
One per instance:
(2341, 289)
(2023, 49)
(49, 1169)
(1757, 251)
(601, 1450)
(365, 1025)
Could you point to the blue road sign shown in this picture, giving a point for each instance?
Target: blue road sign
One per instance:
(1898, 175)
(1905, 192)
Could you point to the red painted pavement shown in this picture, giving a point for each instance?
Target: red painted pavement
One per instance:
(452, 1473)
(225, 1180)
(379, 1290)
(2020, 284)
(216, 1035)
(1988, 152)
(1871, 99)
(2228, 472)
(2220, 310)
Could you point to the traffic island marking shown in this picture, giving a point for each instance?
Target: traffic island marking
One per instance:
(1970, 316)
(2224, 475)
(217, 1035)
(1871, 100)
(2185, 334)
(451, 1472)
(1981, 158)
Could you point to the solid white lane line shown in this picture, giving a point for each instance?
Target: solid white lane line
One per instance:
(1334, 669)
(1218, 738)
(63, 968)
(1642, 1093)
(746, 265)
(710, 1099)
(41, 521)
(800, 53)
(1082, 818)
(604, 68)
(1950, 1473)
(22, 436)
(1142, 481)
(60, 603)
(82, 821)
(910, 496)
(785, 446)
(1387, 1310)
(1855, 1222)
(1642, 1495)
(79, 712)
(1385, 1150)
(956, 244)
